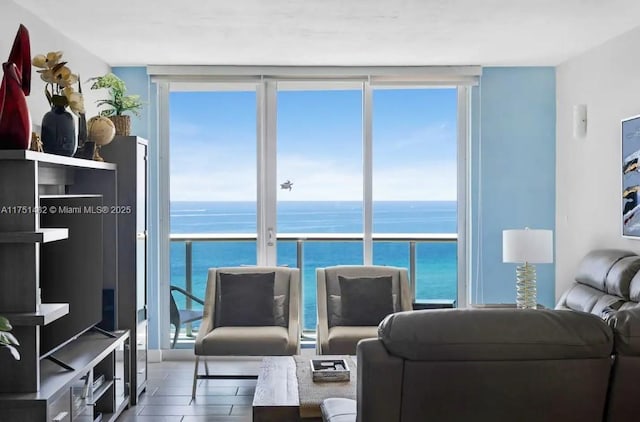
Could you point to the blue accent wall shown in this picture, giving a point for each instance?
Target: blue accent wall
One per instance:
(145, 126)
(513, 172)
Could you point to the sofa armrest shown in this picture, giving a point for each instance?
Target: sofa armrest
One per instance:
(379, 383)
(338, 410)
(626, 328)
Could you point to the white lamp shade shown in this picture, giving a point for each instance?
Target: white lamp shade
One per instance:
(532, 246)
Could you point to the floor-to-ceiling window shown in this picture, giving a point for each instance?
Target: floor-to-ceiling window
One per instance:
(415, 176)
(332, 142)
(213, 186)
(319, 141)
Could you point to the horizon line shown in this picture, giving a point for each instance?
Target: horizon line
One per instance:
(320, 200)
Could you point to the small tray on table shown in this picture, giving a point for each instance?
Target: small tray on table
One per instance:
(329, 370)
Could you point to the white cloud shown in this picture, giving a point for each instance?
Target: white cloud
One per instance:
(433, 137)
(212, 173)
(215, 186)
(185, 130)
(319, 180)
(409, 164)
(435, 181)
(210, 179)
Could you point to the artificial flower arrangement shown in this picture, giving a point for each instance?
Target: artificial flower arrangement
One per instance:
(60, 81)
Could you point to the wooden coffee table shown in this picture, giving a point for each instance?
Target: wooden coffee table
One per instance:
(277, 391)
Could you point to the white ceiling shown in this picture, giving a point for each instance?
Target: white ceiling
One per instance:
(338, 32)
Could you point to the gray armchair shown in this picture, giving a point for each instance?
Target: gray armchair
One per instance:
(219, 338)
(335, 335)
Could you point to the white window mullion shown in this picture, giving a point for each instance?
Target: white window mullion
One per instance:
(267, 173)
(164, 216)
(463, 198)
(367, 173)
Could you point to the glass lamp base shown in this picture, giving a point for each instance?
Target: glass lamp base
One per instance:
(526, 292)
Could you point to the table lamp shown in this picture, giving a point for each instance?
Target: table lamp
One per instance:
(527, 247)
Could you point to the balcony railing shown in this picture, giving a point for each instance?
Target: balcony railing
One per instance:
(300, 239)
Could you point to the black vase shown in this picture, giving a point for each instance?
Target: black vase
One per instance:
(59, 132)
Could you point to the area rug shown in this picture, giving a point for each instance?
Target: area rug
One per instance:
(311, 393)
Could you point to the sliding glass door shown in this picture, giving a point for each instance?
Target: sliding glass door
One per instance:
(213, 188)
(415, 180)
(313, 174)
(319, 167)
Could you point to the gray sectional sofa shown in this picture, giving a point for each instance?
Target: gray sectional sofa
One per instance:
(607, 284)
(508, 364)
(606, 280)
(481, 365)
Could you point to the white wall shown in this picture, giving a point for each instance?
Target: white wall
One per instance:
(45, 38)
(588, 178)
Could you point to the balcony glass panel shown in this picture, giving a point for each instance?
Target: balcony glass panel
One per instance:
(436, 270)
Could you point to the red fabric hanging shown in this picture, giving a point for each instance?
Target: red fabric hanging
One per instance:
(15, 120)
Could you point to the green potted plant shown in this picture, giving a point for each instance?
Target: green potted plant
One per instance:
(118, 102)
(7, 340)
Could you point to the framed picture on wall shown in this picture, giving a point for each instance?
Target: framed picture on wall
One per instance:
(631, 177)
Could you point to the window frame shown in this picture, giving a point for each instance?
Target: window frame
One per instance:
(267, 81)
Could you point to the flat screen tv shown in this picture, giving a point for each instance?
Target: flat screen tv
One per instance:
(71, 270)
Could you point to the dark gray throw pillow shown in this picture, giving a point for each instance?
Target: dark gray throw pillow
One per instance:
(365, 300)
(246, 300)
(334, 309)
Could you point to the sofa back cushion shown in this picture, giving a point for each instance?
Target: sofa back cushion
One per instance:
(587, 299)
(606, 279)
(620, 276)
(495, 334)
(609, 270)
(634, 288)
(503, 364)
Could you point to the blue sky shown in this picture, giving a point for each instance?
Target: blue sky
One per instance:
(213, 145)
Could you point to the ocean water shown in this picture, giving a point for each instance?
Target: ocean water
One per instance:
(436, 263)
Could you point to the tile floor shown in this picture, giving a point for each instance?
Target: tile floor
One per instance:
(168, 395)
